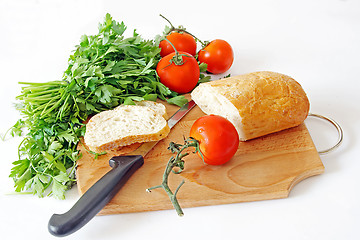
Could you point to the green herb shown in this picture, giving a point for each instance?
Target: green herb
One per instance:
(203, 77)
(105, 70)
(15, 130)
(176, 162)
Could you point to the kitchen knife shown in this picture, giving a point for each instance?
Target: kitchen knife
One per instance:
(96, 197)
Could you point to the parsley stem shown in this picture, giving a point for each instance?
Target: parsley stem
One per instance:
(42, 92)
(43, 114)
(50, 83)
(63, 107)
(39, 98)
(44, 106)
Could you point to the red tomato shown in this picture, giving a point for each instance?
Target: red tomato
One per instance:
(181, 41)
(218, 138)
(218, 55)
(179, 78)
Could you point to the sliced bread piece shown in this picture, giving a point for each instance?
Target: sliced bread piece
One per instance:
(123, 126)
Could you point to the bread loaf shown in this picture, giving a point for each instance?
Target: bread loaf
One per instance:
(257, 103)
(125, 125)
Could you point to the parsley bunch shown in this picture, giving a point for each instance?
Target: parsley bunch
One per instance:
(105, 70)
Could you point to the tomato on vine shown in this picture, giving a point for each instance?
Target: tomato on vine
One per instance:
(218, 55)
(179, 71)
(215, 140)
(218, 139)
(182, 42)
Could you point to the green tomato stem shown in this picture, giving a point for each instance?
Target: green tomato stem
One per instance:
(181, 29)
(176, 161)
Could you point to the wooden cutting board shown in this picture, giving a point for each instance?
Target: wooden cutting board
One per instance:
(263, 168)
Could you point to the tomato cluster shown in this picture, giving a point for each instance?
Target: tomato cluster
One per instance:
(179, 67)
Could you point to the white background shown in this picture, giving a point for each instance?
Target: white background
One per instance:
(317, 42)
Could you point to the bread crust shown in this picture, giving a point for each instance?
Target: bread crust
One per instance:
(267, 101)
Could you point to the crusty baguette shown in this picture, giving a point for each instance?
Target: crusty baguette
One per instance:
(123, 126)
(257, 103)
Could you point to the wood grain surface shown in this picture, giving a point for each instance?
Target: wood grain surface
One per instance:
(263, 168)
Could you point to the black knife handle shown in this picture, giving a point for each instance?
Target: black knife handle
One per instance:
(96, 197)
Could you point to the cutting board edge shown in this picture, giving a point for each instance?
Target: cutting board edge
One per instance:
(305, 175)
(111, 209)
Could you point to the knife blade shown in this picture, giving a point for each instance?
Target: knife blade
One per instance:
(99, 194)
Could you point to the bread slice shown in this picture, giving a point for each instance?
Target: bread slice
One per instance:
(257, 103)
(124, 125)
